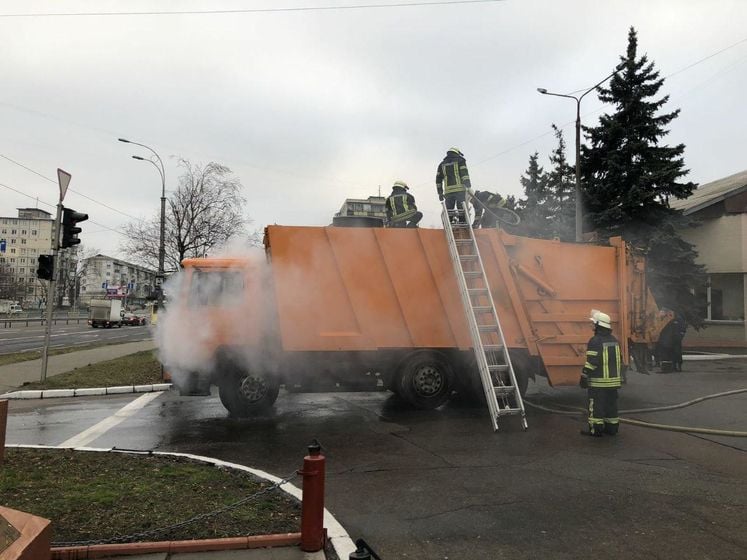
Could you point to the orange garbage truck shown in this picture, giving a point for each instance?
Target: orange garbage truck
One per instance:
(341, 306)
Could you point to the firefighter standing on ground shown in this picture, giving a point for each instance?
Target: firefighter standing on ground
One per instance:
(485, 203)
(400, 207)
(602, 377)
(452, 180)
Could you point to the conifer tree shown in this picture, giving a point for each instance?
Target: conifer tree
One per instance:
(630, 175)
(561, 188)
(533, 209)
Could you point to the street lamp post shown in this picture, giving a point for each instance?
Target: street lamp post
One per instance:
(161, 243)
(579, 206)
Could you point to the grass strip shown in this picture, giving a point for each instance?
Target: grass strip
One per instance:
(141, 368)
(16, 357)
(92, 496)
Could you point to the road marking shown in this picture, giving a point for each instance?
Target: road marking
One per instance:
(97, 430)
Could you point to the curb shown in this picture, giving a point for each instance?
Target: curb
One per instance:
(336, 533)
(86, 392)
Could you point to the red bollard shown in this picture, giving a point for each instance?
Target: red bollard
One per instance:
(312, 504)
(3, 425)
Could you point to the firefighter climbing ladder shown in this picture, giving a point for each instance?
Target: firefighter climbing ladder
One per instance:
(493, 360)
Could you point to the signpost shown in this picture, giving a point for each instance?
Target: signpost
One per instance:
(63, 178)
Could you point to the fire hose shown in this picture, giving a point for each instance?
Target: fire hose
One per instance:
(693, 430)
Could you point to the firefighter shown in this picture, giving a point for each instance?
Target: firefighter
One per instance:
(452, 181)
(400, 207)
(485, 202)
(601, 376)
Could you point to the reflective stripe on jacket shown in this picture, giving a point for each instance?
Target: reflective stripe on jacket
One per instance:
(400, 206)
(603, 361)
(452, 175)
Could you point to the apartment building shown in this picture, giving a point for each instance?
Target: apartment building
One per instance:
(107, 277)
(22, 240)
(374, 206)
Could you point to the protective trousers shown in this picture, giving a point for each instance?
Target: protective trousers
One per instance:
(602, 407)
(454, 202)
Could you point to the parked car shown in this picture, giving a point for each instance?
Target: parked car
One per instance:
(132, 319)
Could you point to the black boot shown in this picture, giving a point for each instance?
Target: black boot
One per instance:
(588, 432)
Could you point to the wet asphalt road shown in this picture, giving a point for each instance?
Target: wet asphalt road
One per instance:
(440, 484)
(23, 339)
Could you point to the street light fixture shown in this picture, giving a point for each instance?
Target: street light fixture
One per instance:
(161, 244)
(543, 91)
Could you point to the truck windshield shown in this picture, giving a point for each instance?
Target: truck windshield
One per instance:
(216, 287)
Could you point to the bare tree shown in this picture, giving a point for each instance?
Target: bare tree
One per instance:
(205, 211)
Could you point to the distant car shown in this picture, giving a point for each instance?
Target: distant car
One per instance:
(15, 309)
(132, 319)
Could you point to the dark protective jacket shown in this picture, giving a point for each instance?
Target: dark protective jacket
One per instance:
(452, 175)
(603, 365)
(489, 200)
(400, 205)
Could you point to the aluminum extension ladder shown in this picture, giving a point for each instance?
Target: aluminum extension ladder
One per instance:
(493, 360)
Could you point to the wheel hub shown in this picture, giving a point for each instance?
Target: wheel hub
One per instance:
(252, 388)
(428, 381)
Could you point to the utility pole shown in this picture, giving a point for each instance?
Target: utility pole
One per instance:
(63, 178)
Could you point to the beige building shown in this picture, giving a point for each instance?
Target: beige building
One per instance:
(721, 242)
(107, 277)
(374, 206)
(22, 240)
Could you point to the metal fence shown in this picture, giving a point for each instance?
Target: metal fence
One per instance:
(26, 319)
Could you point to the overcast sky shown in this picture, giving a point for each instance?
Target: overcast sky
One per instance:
(311, 107)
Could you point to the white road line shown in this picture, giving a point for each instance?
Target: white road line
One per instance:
(97, 430)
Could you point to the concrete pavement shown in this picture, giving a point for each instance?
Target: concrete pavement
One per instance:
(13, 376)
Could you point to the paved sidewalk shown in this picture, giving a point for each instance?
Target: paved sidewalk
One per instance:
(13, 376)
(276, 553)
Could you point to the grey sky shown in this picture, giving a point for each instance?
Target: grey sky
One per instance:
(309, 108)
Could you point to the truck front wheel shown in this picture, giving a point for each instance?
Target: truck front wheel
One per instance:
(425, 380)
(244, 394)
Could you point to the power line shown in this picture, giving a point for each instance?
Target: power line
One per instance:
(71, 190)
(253, 10)
(55, 206)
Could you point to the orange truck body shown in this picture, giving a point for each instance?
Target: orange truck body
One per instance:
(330, 291)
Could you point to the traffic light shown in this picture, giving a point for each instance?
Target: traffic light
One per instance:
(46, 267)
(69, 231)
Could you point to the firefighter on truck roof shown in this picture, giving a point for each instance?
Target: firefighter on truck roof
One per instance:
(401, 210)
(452, 181)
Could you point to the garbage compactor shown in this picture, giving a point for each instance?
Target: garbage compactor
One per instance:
(358, 308)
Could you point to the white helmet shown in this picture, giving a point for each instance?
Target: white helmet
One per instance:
(601, 319)
(401, 184)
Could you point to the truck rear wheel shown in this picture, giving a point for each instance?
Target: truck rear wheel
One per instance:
(425, 380)
(244, 394)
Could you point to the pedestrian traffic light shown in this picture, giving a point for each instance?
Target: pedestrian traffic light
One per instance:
(46, 267)
(69, 230)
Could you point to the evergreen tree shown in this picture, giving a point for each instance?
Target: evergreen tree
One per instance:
(630, 176)
(534, 210)
(561, 186)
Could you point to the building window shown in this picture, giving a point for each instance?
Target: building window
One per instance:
(23, 242)
(33, 232)
(723, 297)
(23, 232)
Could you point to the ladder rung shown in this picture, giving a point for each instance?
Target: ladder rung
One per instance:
(467, 257)
(504, 389)
(478, 290)
(492, 347)
(498, 368)
(463, 241)
(508, 411)
(481, 308)
(487, 328)
(472, 273)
